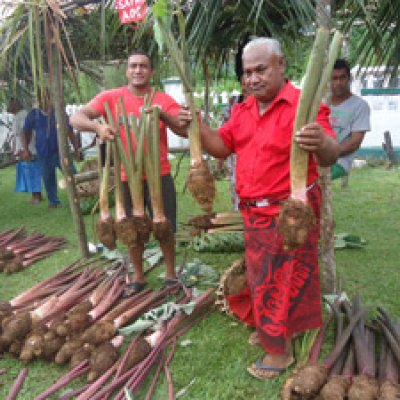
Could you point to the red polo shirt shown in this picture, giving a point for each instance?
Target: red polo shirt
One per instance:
(133, 105)
(262, 145)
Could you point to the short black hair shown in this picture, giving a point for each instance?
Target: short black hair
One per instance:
(238, 57)
(141, 53)
(341, 63)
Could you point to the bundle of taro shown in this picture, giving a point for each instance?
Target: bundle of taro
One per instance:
(144, 157)
(355, 369)
(111, 376)
(19, 249)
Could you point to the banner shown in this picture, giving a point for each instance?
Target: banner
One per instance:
(131, 10)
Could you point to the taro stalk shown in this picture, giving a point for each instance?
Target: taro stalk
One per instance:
(124, 227)
(296, 216)
(105, 225)
(389, 367)
(161, 226)
(142, 222)
(200, 180)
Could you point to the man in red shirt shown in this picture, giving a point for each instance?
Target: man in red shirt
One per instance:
(283, 293)
(139, 73)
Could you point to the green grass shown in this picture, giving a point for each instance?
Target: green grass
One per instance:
(219, 354)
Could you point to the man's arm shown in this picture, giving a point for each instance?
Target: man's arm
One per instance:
(212, 142)
(74, 141)
(313, 139)
(85, 120)
(351, 145)
(25, 153)
(179, 123)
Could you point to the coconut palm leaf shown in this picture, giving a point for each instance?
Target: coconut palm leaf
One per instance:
(378, 28)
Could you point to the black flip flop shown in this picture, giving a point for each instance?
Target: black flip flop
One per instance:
(133, 288)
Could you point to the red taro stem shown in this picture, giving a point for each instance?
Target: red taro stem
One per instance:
(339, 347)
(79, 370)
(16, 387)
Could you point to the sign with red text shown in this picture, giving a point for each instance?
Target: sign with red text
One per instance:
(131, 10)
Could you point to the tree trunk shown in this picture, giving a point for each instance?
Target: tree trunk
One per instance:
(64, 152)
(328, 259)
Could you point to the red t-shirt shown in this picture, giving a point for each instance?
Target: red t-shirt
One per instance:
(133, 105)
(262, 145)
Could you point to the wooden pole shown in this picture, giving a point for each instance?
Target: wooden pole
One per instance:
(63, 146)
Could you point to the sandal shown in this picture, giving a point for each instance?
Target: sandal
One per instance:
(263, 372)
(133, 288)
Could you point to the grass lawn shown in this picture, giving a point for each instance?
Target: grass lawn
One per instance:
(216, 361)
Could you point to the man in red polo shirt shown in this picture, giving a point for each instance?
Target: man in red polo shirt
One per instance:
(139, 73)
(283, 293)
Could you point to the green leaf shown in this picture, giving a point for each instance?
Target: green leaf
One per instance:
(156, 316)
(158, 37)
(138, 326)
(153, 256)
(340, 244)
(160, 8)
(219, 242)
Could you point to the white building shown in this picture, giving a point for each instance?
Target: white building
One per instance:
(383, 96)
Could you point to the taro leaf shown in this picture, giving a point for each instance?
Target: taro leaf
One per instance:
(219, 242)
(196, 271)
(349, 241)
(158, 37)
(154, 317)
(138, 326)
(112, 254)
(160, 12)
(160, 8)
(153, 256)
(340, 244)
(348, 237)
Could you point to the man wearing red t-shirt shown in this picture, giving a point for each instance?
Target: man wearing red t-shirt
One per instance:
(139, 73)
(282, 297)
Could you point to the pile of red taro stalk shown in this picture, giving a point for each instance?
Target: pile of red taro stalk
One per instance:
(18, 249)
(73, 318)
(363, 365)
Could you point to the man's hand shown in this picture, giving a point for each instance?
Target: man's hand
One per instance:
(184, 116)
(178, 123)
(310, 137)
(105, 132)
(25, 155)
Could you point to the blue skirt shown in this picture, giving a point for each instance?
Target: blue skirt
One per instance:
(28, 177)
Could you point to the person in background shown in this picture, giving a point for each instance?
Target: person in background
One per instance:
(350, 118)
(28, 177)
(42, 121)
(139, 72)
(282, 297)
